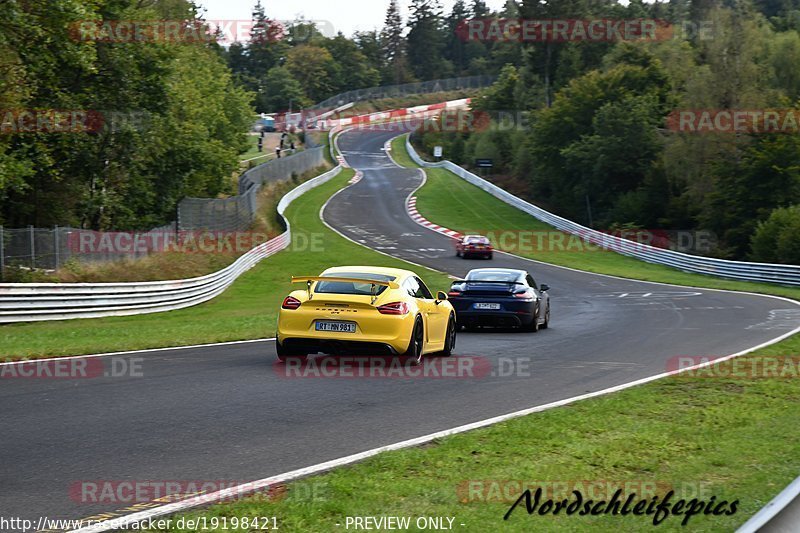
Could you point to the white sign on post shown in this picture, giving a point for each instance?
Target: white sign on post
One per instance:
(437, 151)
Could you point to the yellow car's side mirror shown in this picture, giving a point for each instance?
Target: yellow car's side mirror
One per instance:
(441, 296)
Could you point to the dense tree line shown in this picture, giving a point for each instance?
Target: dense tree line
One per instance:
(591, 134)
(294, 65)
(588, 133)
(165, 118)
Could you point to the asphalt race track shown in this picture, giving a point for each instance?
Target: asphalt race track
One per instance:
(225, 413)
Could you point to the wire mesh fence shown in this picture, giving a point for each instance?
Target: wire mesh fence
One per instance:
(283, 168)
(51, 248)
(394, 91)
(47, 249)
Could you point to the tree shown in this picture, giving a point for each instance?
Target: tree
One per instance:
(479, 9)
(777, 239)
(266, 46)
(354, 69)
(598, 136)
(784, 58)
(280, 92)
(173, 122)
(455, 50)
(394, 46)
(426, 40)
(502, 95)
(369, 44)
(315, 69)
(746, 189)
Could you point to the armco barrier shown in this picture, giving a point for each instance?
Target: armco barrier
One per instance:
(741, 270)
(27, 302)
(781, 514)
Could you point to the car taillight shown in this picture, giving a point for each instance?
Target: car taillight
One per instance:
(454, 293)
(394, 308)
(527, 294)
(290, 302)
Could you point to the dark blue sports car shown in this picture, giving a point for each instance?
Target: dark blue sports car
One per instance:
(500, 297)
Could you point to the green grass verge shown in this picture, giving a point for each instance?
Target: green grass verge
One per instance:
(735, 439)
(247, 310)
(469, 209)
(252, 150)
(732, 438)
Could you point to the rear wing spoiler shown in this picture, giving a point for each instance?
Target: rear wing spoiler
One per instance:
(308, 280)
(311, 279)
(460, 281)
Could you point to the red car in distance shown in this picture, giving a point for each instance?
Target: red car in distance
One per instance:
(474, 246)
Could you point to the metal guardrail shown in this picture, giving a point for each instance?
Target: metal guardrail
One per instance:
(393, 91)
(780, 515)
(27, 302)
(740, 270)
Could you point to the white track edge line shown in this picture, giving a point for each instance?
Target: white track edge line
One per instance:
(145, 350)
(761, 294)
(128, 520)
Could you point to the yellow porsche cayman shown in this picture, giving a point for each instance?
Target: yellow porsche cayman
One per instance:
(365, 310)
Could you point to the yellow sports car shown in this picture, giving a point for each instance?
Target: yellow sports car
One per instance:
(365, 310)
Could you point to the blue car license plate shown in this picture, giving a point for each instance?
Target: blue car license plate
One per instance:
(493, 307)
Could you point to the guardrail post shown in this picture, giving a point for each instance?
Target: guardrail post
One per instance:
(2, 255)
(55, 245)
(33, 248)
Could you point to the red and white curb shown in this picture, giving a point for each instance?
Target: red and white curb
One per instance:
(411, 208)
(355, 179)
(342, 162)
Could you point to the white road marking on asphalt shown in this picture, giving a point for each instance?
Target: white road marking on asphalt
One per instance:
(654, 295)
(125, 522)
(148, 350)
(778, 319)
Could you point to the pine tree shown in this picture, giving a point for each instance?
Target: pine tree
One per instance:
(455, 45)
(266, 46)
(426, 40)
(393, 43)
(479, 9)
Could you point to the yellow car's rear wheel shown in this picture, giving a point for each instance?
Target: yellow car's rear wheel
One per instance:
(414, 351)
(285, 354)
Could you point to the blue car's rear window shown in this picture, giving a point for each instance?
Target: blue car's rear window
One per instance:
(493, 276)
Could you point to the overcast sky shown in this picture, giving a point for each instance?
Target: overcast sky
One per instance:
(346, 16)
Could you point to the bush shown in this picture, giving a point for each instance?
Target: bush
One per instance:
(777, 239)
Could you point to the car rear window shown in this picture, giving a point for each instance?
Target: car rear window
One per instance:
(351, 287)
(492, 276)
(479, 240)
